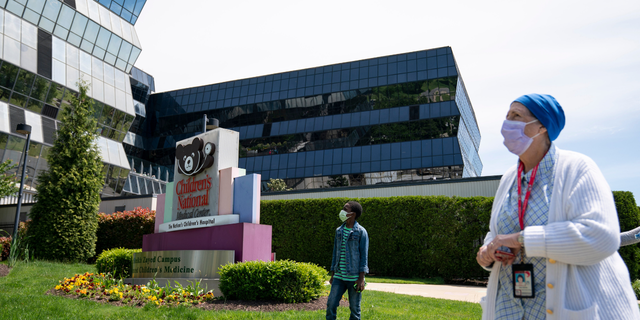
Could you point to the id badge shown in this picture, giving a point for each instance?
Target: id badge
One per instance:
(523, 281)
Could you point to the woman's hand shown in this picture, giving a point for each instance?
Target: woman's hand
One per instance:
(483, 257)
(487, 254)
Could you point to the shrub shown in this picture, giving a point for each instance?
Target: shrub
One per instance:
(636, 288)
(124, 229)
(629, 216)
(286, 281)
(5, 248)
(116, 261)
(411, 236)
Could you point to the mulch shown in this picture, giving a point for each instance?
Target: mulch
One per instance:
(231, 305)
(268, 306)
(4, 270)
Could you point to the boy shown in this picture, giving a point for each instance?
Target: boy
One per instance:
(349, 262)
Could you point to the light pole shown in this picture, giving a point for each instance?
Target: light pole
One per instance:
(24, 129)
(209, 123)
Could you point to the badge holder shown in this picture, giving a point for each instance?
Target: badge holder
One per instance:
(523, 280)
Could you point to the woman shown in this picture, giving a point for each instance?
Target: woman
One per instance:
(560, 224)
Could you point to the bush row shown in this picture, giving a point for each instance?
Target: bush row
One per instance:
(411, 236)
(124, 229)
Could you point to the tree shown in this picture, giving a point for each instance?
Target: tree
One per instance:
(65, 217)
(338, 181)
(277, 185)
(7, 182)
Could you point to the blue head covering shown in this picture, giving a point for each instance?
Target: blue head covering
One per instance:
(547, 110)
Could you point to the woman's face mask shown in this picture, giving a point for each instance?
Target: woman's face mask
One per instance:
(343, 216)
(514, 137)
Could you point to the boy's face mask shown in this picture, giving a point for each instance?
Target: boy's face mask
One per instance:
(343, 215)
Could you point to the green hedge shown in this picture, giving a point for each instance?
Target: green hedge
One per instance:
(124, 229)
(286, 281)
(629, 216)
(412, 236)
(116, 261)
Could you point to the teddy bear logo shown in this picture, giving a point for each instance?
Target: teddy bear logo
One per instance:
(193, 158)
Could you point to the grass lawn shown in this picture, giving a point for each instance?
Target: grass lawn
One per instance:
(22, 297)
(376, 279)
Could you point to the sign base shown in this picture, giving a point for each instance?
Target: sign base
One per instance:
(249, 241)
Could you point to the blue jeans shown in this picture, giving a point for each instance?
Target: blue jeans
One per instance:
(338, 287)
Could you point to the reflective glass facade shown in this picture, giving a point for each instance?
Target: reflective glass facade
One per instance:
(82, 23)
(128, 10)
(46, 48)
(396, 118)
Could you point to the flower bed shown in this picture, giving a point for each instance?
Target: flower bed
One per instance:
(104, 287)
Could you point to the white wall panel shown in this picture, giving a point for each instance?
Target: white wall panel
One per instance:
(59, 74)
(2, 21)
(105, 18)
(29, 34)
(130, 108)
(35, 122)
(94, 10)
(4, 117)
(73, 75)
(109, 95)
(120, 80)
(12, 26)
(72, 56)
(58, 49)
(120, 101)
(28, 58)
(136, 41)
(115, 24)
(98, 89)
(109, 75)
(104, 149)
(81, 6)
(11, 50)
(85, 62)
(97, 67)
(126, 32)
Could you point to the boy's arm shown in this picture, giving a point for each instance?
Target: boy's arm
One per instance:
(364, 253)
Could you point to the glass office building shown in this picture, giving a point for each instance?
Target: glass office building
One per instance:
(46, 48)
(405, 117)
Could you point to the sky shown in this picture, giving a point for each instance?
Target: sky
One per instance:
(584, 53)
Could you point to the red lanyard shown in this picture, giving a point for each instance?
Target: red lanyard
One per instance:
(522, 205)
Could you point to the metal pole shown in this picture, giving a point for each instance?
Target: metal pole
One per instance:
(204, 123)
(24, 170)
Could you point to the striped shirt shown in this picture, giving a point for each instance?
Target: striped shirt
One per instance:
(537, 214)
(342, 266)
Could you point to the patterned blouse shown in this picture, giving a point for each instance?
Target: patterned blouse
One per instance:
(537, 213)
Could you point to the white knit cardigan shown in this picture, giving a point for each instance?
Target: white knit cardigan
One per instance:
(586, 278)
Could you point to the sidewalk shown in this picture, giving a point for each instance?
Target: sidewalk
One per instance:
(460, 293)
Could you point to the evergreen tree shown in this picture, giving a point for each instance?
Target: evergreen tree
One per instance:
(7, 182)
(65, 217)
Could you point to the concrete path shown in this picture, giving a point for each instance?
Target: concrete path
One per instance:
(461, 293)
